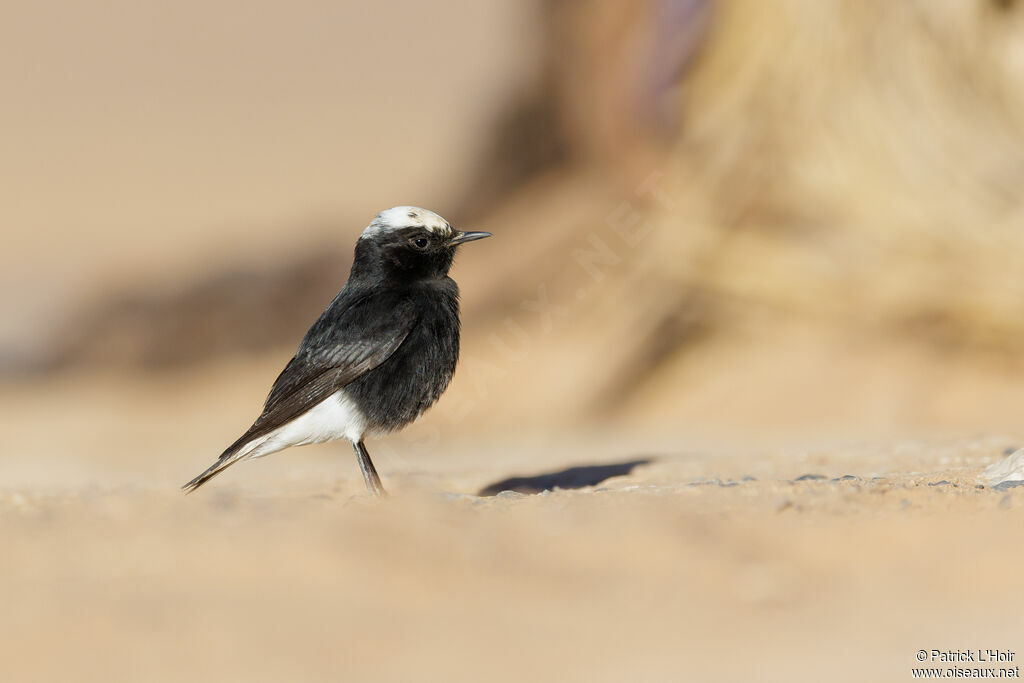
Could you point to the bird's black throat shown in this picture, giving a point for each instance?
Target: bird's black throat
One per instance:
(401, 256)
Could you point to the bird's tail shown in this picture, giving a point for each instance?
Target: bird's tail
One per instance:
(210, 472)
(235, 452)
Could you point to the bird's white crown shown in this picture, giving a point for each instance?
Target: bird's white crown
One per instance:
(398, 217)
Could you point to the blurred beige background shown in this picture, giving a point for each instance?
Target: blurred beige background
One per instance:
(735, 243)
(149, 144)
(190, 181)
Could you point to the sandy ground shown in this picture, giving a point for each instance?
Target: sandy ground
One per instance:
(713, 559)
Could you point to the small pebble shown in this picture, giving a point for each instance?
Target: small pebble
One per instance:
(706, 482)
(810, 477)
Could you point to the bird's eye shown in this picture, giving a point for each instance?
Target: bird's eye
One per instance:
(420, 242)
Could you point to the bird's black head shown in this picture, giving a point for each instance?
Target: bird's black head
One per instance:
(408, 243)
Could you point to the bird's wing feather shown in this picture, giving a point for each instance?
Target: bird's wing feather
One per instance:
(353, 336)
(348, 340)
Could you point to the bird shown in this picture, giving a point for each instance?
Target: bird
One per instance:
(379, 355)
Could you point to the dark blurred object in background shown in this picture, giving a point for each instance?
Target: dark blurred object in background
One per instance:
(234, 312)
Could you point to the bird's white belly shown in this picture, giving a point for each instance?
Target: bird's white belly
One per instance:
(336, 417)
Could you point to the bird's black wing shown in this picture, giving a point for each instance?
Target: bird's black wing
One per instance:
(349, 339)
(354, 335)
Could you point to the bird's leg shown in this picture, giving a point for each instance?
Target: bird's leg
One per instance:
(373, 484)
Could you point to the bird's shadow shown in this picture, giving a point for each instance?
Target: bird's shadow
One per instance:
(570, 478)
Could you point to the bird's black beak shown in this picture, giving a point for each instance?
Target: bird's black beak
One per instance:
(461, 237)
